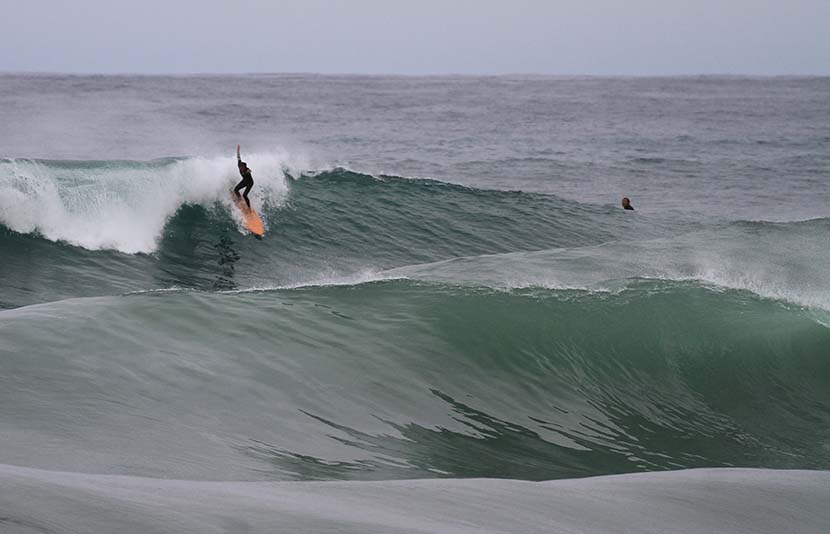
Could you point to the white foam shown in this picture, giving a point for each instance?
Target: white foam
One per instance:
(788, 268)
(122, 206)
(330, 278)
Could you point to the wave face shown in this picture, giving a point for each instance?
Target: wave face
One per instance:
(175, 225)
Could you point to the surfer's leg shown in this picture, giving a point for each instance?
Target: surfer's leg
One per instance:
(245, 194)
(239, 186)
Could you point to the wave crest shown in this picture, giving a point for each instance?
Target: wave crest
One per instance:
(122, 205)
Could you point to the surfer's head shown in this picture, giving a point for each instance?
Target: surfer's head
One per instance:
(242, 165)
(626, 203)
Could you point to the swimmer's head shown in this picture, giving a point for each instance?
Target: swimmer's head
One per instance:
(626, 203)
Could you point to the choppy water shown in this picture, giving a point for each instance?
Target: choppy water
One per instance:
(447, 289)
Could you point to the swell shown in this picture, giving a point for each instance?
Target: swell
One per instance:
(399, 379)
(338, 225)
(129, 206)
(320, 237)
(320, 226)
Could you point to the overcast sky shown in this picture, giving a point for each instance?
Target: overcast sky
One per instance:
(417, 36)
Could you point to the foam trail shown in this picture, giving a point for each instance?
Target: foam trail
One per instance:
(124, 205)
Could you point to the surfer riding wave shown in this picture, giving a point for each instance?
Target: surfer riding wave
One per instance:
(247, 180)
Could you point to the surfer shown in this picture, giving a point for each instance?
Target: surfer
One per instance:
(626, 204)
(247, 180)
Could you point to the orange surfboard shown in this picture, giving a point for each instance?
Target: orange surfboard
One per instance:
(250, 219)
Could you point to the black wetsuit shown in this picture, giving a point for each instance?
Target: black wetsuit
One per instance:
(628, 207)
(247, 182)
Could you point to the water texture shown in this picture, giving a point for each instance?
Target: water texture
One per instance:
(447, 289)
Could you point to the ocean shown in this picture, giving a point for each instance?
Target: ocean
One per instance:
(450, 325)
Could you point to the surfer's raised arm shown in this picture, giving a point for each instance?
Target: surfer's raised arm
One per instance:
(238, 158)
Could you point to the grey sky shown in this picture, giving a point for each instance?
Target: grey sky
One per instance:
(417, 36)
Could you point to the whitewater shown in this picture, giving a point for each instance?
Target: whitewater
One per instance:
(450, 325)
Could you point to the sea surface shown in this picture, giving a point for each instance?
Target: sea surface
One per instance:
(450, 325)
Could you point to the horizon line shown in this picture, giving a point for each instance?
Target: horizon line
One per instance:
(409, 75)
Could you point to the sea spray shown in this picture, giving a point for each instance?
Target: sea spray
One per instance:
(122, 205)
